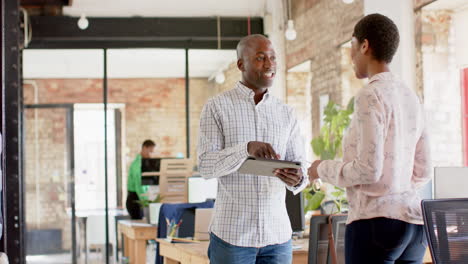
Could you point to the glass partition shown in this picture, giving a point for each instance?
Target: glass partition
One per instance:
(63, 226)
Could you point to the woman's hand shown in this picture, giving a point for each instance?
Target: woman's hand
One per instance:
(291, 177)
(312, 171)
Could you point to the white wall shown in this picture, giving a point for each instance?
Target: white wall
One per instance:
(401, 12)
(442, 98)
(274, 23)
(461, 37)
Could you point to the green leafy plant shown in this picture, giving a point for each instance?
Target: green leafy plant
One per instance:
(146, 202)
(328, 146)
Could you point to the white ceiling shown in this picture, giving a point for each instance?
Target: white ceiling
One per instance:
(140, 63)
(165, 8)
(448, 4)
(124, 63)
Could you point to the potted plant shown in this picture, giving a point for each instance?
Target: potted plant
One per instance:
(146, 204)
(327, 146)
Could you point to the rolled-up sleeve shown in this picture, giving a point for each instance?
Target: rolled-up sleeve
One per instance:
(295, 151)
(214, 160)
(367, 167)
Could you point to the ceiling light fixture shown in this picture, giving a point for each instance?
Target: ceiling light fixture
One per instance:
(83, 22)
(290, 32)
(220, 78)
(348, 1)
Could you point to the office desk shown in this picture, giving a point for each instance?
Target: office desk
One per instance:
(196, 253)
(136, 233)
(427, 257)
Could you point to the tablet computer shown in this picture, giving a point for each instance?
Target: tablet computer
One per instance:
(266, 167)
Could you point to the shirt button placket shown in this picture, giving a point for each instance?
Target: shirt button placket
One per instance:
(258, 184)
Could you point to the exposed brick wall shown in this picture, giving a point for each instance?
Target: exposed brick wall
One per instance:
(296, 92)
(150, 104)
(418, 31)
(46, 175)
(233, 75)
(319, 39)
(200, 91)
(440, 79)
(349, 83)
(154, 108)
(316, 32)
(298, 96)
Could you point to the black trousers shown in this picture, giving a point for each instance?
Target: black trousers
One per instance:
(384, 241)
(134, 209)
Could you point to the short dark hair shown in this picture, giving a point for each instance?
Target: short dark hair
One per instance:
(381, 33)
(148, 143)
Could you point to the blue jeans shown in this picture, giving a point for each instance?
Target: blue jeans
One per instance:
(384, 241)
(221, 252)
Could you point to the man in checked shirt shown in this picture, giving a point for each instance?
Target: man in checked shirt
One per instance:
(250, 223)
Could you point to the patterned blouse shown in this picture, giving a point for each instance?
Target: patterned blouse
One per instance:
(386, 154)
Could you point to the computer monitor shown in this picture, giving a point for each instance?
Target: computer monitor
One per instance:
(201, 189)
(295, 208)
(150, 165)
(450, 182)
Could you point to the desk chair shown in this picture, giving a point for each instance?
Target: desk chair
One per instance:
(318, 240)
(446, 227)
(173, 182)
(319, 252)
(339, 228)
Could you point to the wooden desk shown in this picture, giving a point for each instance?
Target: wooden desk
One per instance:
(136, 233)
(196, 253)
(301, 255)
(427, 257)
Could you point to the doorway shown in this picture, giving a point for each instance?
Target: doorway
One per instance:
(49, 184)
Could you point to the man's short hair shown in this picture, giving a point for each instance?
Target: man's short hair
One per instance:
(148, 143)
(381, 33)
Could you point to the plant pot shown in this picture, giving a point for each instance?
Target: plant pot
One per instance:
(154, 209)
(146, 214)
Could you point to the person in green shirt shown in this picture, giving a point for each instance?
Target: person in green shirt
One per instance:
(134, 187)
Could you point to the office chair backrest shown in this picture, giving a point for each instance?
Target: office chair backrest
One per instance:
(173, 182)
(319, 250)
(318, 240)
(446, 227)
(339, 228)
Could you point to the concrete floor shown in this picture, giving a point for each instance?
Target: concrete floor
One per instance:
(93, 258)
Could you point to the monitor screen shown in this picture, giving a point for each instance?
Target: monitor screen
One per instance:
(295, 208)
(201, 189)
(450, 182)
(150, 165)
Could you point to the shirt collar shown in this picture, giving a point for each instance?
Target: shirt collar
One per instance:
(249, 93)
(382, 76)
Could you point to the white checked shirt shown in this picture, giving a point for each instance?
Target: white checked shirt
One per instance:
(250, 210)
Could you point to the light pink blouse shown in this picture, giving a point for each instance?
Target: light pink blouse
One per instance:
(386, 155)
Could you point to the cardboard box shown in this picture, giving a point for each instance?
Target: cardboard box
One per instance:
(202, 222)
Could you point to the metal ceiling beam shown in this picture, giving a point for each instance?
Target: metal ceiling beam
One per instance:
(45, 2)
(139, 32)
